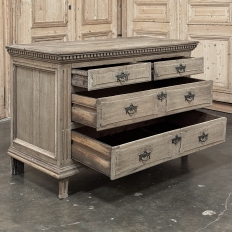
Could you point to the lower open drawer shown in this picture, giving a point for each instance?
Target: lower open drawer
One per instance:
(121, 151)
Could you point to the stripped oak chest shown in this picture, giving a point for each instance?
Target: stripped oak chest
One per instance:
(118, 106)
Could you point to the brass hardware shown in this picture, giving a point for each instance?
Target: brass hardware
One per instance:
(176, 140)
(203, 138)
(122, 77)
(131, 109)
(145, 156)
(162, 96)
(189, 97)
(181, 68)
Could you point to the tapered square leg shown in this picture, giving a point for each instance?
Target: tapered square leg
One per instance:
(17, 167)
(63, 188)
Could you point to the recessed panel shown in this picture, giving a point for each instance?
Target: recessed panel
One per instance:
(151, 11)
(97, 35)
(47, 13)
(209, 13)
(156, 34)
(35, 107)
(96, 11)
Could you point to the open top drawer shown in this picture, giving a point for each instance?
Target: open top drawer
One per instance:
(111, 76)
(178, 67)
(125, 150)
(124, 105)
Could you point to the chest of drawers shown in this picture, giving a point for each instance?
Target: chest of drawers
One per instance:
(118, 106)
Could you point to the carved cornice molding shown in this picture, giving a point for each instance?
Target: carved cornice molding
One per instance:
(102, 55)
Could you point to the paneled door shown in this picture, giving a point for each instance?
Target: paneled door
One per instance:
(96, 19)
(33, 21)
(43, 20)
(210, 22)
(64, 20)
(156, 18)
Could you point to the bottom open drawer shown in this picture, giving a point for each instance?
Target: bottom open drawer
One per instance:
(121, 151)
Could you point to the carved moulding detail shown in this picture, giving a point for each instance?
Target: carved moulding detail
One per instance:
(73, 57)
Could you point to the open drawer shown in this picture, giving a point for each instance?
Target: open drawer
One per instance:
(179, 67)
(124, 105)
(122, 151)
(112, 76)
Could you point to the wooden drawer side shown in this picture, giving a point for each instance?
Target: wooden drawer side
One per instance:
(84, 115)
(177, 68)
(91, 153)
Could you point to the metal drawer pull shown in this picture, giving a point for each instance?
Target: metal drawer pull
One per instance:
(131, 109)
(145, 156)
(203, 138)
(122, 77)
(162, 96)
(181, 68)
(189, 97)
(176, 140)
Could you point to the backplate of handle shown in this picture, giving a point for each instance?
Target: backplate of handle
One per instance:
(181, 68)
(145, 156)
(122, 77)
(131, 109)
(161, 96)
(203, 137)
(176, 139)
(189, 97)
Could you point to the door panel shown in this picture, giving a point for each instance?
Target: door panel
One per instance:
(44, 20)
(153, 18)
(210, 23)
(96, 19)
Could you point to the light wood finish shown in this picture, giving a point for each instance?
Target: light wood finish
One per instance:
(31, 21)
(41, 116)
(80, 51)
(121, 106)
(96, 19)
(2, 80)
(127, 152)
(5, 38)
(178, 67)
(210, 22)
(100, 78)
(41, 102)
(63, 188)
(151, 18)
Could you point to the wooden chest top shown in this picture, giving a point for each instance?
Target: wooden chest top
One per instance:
(113, 48)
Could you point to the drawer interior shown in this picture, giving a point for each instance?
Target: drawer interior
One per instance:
(138, 87)
(126, 134)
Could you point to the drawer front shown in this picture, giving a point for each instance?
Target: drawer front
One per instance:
(177, 68)
(123, 109)
(114, 76)
(144, 147)
(202, 135)
(189, 97)
(139, 155)
(126, 110)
